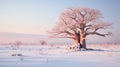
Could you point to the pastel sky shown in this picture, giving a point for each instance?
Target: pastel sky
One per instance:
(39, 16)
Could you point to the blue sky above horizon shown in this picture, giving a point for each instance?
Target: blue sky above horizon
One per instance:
(39, 16)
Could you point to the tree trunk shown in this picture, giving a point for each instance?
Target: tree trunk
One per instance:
(77, 41)
(83, 44)
(74, 46)
(83, 39)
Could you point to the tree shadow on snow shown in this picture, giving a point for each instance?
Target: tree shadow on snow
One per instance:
(91, 49)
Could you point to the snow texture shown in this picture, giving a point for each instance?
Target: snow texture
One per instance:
(59, 56)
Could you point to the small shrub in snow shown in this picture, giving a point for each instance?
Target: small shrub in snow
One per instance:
(17, 55)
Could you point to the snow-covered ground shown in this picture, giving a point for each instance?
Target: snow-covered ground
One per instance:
(59, 56)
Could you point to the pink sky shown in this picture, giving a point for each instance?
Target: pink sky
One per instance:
(37, 17)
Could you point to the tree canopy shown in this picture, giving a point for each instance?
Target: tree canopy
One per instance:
(83, 21)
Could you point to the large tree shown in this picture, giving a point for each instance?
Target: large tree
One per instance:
(77, 23)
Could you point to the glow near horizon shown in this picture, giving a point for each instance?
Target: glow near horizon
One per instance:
(38, 16)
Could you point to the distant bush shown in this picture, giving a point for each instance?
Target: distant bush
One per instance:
(43, 42)
(16, 44)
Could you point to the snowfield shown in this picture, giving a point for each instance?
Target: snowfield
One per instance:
(59, 56)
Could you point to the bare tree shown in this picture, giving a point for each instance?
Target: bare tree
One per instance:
(16, 44)
(77, 23)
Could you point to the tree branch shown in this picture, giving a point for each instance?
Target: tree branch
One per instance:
(100, 34)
